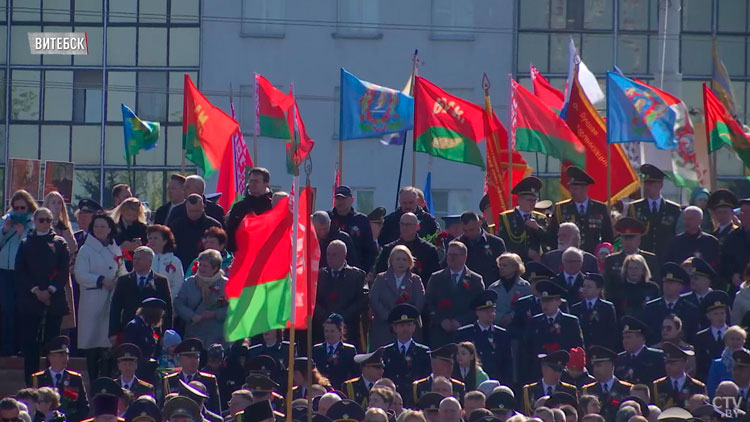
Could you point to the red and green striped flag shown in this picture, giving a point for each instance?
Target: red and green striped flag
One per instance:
(535, 127)
(259, 290)
(723, 129)
(271, 109)
(206, 130)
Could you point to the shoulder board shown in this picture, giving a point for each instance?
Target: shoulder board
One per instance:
(73, 372)
(276, 395)
(37, 374)
(465, 327)
(531, 385)
(172, 375)
(590, 385)
(279, 414)
(285, 343)
(145, 384)
(672, 203)
(120, 419)
(347, 345)
(527, 297)
(646, 253)
(563, 202)
(541, 214)
(255, 346)
(605, 301)
(652, 350)
(507, 212)
(697, 382)
(662, 379)
(595, 202)
(321, 345)
(652, 301)
(421, 380)
(625, 383)
(455, 381)
(499, 328)
(87, 420)
(565, 384)
(420, 345)
(352, 380)
(206, 374)
(703, 331)
(684, 295)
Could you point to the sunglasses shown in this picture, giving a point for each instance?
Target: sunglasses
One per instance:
(44, 220)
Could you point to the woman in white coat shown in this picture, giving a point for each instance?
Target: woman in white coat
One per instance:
(161, 240)
(98, 265)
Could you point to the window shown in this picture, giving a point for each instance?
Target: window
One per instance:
(87, 96)
(149, 186)
(153, 11)
(24, 141)
(534, 14)
(452, 20)
(596, 52)
(365, 200)
(87, 185)
(696, 15)
(96, 46)
(56, 10)
(633, 15)
(696, 55)
(86, 144)
(597, 14)
(123, 11)
(533, 49)
(152, 96)
(449, 202)
(574, 12)
(57, 59)
(733, 56)
(25, 95)
(732, 15)
(152, 46)
(183, 46)
(55, 143)
(120, 91)
(263, 18)
(358, 19)
(19, 47)
(632, 54)
(185, 11)
(88, 11)
(120, 45)
(58, 95)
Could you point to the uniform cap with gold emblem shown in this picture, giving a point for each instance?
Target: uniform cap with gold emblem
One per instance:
(484, 203)
(596, 278)
(576, 176)
(262, 364)
(673, 352)
(370, 359)
(484, 300)
(403, 312)
(531, 185)
(182, 406)
(536, 271)
(560, 398)
(106, 386)
(544, 205)
(446, 352)
(191, 392)
(699, 266)
(555, 360)
(652, 173)
(89, 205)
(143, 410)
(629, 226)
(675, 273)
(258, 411)
(548, 289)
(499, 401)
(741, 357)
(632, 324)
(715, 299)
(258, 383)
(377, 215)
(346, 411)
(59, 344)
(674, 414)
(106, 395)
(722, 198)
(127, 352)
(430, 402)
(601, 354)
(190, 346)
(300, 364)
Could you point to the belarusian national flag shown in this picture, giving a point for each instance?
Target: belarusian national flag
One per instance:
(260, 285)
(206, 130)
(271, 108)
(545, 91)
(722, 129)
(446, 126)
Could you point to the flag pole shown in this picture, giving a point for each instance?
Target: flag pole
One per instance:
(511, 136)
(411, 94)
(341, 161)
(257, 116)
(403, 147)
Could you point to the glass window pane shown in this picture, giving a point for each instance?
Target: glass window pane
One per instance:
(449, 19)
(87, 96)
(696, 15)
(30, 11)
(149, 185)
(696, 55)
(96, 46)
(559, 51)
(597, 14)
(2, 144)
(25, 95)
(184, 47)
(153, 11)
(3, 43)
(185, 11)
(174, 145)
(114, 147)
(88, 11)
(123, 11)
(19, 47)
(58, 95)
(120, 45)
(558, 14)
(532, 49)
(87, 144)
(632, 53)
(152, 96)
(2, 95)
(732, 15)
(263, 18)
(152, 46)
(57, 59)
(56, 10)
(596, 52)
(176, 84)
(246, 113)
(24, 141)
(55, 142)
(692, 95)
(534, 14)
(86, 185)
(120, 90)
(633, 15)
(734, 54)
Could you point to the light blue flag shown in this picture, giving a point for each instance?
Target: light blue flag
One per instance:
(428, 193)
(370, 111)
(636, 113)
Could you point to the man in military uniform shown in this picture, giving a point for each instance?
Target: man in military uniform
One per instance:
(575, 370)
(637, 363)
(610, 390)
(596, 315)
(264, 388)
(346, 411)
(275, 346)
(127, 356)
(741, 376)
(693, 242)
(358, 389)
(591, 216)
(405, 359)
(68, 383)
(441, 361)
(735, 254)
(105, 400)
(426, 259)
(196, 392)
(658, 215)
(188, 354)
(722, 203)
(702, 276)
(552, 365)
(523, 229)
(709, 342)
(143, 410)
(502, 404)
(484, 248)
(674, 280)
(182, 409)
(631, 232)
(677, 387)
(345, 218)
(407, 201)
(491, 341)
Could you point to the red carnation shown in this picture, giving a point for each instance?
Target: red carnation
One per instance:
(333, 296)
(70, 394)
(445, 304)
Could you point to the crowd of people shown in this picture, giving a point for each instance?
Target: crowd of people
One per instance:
(564, 312)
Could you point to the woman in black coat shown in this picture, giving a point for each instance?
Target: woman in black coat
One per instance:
(42, 271)
(130, 217)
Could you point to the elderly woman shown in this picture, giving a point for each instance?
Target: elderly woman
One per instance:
(394, 286)
(161, 241)
(721, 368)
(48, 405)
(509, 287)
(202, 302)
(634, 288)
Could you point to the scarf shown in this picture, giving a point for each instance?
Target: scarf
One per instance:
(205, 283)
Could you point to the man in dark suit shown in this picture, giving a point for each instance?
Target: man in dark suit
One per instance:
(355, 224)
(407, 203)
(674, 279)
(441, 362)
(189, 229)
(195, 184)
(491, 341)
(571, 277)
(591, 216)
(188, 354)
(68, 383)
(449, 294)
(327, 233)
(483, 248)
(523, 229)
(358, 389)
(176, 194)
(333, 357)
(596, 315)
(631, 230)
(677, 387)
(132, 288)
(735, 254)
(722, 203)
(127, 356)
(426, 259)
(610, 390)
(637, 364)
(341, 290)
(258, 199)
(693, 242)
(405, 359)
(569, 235)
(552, 365)
(709, 342)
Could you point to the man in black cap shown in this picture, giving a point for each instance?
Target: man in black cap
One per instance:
(106, 395)
(182, 409)
(735, 254)
(195, 391)
(273, 345)
(483, 248)
(658, 215)
(405, 359)
(552, 329)
(429, 404)
(127, 356)
(502, 404)
(426, 260)
(610, 390)
(491, 341)
(637, 364)
(143, 410)
(702, 277)
(141, 332)
(263, 388)
(407, 201)
(677, 387)
(68, 383)
(346, 411)
(552, 366)
(345, 218)
(596, 315)
(591, 216)
(631, 232)
(441, 361)
(741, 375)
(358, 389)
(226, 378)
(523, 229)
(709, 342)
(722, 203)
(87, 208)
(674, 280)
(188, 353)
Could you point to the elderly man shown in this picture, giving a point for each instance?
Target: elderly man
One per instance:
(355, 224)
(735, 254)
(523, 229)
(188, 230)
(449, 410)
(449, 295)
(726, 394)
(257, 201)
(631, 231)
(132, 288)
(596, 315)
(483, 248)
(569, 236)
(407, 201)
(693, 242)
(176, 194)
(326, 401)
(426, 259)
(571, 276)
(195, 184)
(327, 233)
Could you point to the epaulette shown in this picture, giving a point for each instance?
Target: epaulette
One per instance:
(145, 384)
(541, 214)
(37, 374)
(120, 419)
(455, 381)
(172, 374)
(625, 383)
(563, 202)
(653, 300)
(667, 201)
(662, 379)
(420, 345)
(507, 212)
(565, 384)
(699, 382)
(206, 374)
(87, 420)
(421, 380)
(276, 395)
(279, 414)
(73, 372)
(352, 380)
(531, 385)
(589, 385)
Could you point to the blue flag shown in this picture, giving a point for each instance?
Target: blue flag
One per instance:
(636, 113)
(428, 193)
(139, 134)
(370, 111)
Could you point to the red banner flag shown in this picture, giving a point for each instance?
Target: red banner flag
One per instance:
(308, 261)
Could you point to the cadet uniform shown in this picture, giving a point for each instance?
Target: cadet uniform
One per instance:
(279, 352)
(193, 346)
(512, 227)
(548, 333)
(644, 366)
(68, 383)
(184, 407)
(335, 362)
(405, 366)
(709, 342)
(657, 309)
(531, 392)
(501, 404)
(423, 386)
(722, 199)
(128, 352)
(593, 220)
(611, 392)
(358, 389)
(669, 392)
(597, 317)
(264, 388)
(198, 396)
(701, 271)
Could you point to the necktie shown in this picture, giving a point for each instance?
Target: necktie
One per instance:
(189, 379)
(581, 209)
(57, 379)
(670, 306)
(141, 282)
(403, 350)
(335, 274)
(330, 350)
(591, 306)
(126, 386)
(551, 320)
(369, 385)
(605, 390)
(571, 280)
(549, 390)
(654, 210)
(525, 217)
(718, 335)
(456, 277)
(676, 386)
